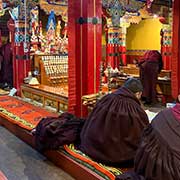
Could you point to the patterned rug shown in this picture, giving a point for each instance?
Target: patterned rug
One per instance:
(22, 113)
(106, 172)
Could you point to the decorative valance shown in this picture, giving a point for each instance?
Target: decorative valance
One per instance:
(59, 7)
(116, 9)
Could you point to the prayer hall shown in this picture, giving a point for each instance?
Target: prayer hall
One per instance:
(60, 61)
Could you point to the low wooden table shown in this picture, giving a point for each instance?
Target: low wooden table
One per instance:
(163, 86)
(52, 98)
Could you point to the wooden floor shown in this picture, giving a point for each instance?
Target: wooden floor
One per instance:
(68, 165)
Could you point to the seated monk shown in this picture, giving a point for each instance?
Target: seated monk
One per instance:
(111, 134)
(158, 156)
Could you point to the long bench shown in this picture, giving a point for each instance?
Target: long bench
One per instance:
(57, 157)
(60, 157)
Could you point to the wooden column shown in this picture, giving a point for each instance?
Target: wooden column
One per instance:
(175, 79)
(21, 58)
(84, 33)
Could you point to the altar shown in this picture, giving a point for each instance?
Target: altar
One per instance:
(115, 79)
(51, 98)
(163, 86)
(47, 82)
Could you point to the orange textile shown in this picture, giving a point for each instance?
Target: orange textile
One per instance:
(22, 113)
(107, 172)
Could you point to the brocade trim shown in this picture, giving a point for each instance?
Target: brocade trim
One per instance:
(15, 118)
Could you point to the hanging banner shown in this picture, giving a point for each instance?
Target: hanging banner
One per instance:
(59, 7)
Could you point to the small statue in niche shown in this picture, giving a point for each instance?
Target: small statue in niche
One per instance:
(41, 38)
(64, 48)
(58, 28)
(51, 31)
(34, 14)
(50, 35)
(58, 42)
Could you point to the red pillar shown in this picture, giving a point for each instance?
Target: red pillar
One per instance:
(84, 32)
(166, 46)
(113, 44)
(21, 59)
(175, 78)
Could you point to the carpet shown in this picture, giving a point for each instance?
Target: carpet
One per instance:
(22, 113)
(106, 172)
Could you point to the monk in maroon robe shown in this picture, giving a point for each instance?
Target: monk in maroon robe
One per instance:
(6, 72)
(1, 60)
(150, 67)
(158, 156)
(111, 134)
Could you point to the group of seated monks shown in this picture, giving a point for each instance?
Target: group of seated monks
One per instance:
(117, 133)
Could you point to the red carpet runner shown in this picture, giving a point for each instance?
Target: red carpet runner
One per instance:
(21, 113)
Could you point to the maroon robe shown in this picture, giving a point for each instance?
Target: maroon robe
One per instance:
(1, 61)
(6, 72)
(158, 157)
(53, 132)
(150, 66)
(111, 134)
(176, 111)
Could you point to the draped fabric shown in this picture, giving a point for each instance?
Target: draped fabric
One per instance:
(1, 60)
(112, 132)
(59, 7)
(158, 156)
(53, 132)
(150, 66)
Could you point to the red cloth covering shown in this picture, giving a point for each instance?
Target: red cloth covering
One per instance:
(21, 113)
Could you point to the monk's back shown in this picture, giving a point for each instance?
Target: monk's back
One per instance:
(112, 131)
